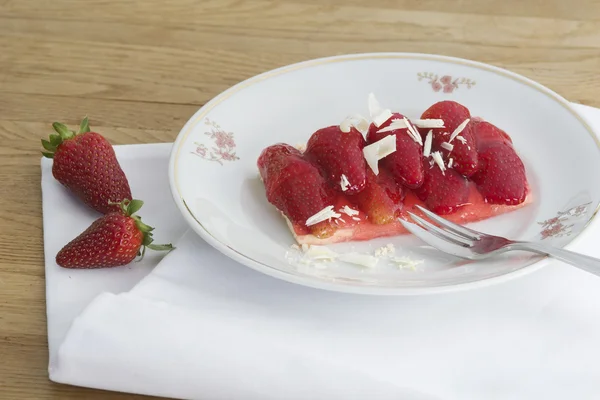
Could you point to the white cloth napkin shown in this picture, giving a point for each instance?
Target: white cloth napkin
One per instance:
(201, 326)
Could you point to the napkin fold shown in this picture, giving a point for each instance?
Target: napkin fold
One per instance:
(201, 326)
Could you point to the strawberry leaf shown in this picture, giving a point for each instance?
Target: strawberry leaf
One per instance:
(134, 206)
(55, 140)
(48, 155)
(62, 130)
(145, 229)
(48, 146)
(85, 126)
(147, 240)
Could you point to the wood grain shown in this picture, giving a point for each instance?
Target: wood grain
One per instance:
(141, 68)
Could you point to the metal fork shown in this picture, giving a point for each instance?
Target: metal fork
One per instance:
(467, 243)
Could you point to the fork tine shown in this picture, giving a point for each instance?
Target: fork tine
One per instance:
(440, 233)
(451, 226)
(440, 244)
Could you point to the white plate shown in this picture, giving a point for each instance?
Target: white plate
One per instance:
(215, 181)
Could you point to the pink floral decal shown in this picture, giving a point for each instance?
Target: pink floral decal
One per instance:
(223, 148)
(559, 226)
(446, 83)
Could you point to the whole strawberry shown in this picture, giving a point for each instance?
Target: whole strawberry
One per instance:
(112, 240)
(85, 163)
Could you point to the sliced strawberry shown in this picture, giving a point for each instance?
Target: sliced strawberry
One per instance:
(295, 187)
(501, 178)
(464, 149)
(339, 153)
(486, 133)
(381, 198)
(443, 193)
(406, 163)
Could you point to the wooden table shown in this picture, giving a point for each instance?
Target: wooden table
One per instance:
(140, 68)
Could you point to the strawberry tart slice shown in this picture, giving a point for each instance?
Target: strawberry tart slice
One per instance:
(356, 180)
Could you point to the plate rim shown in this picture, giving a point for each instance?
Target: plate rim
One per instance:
(535, 264)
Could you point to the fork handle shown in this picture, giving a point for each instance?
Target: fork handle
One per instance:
(587, 263)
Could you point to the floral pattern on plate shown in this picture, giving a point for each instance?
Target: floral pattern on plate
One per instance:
(445, 83)
(223, 148)
(562, 224)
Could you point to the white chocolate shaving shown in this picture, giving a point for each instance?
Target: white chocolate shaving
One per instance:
(378, 150)
(324, 214)
(380, 119)
(459, 129)
(344, 183)
(450, 162)
(414, 134)
(405, 262)
(320, 253)
(427, 146)
(428, 123)
(349, 211)
(378, 114)
(315, 256)
(437, 158)
(447, 146)
(461, 139)
(396, 124)
(357, 121)
(385, 250)
(374, 106)
(364, 260)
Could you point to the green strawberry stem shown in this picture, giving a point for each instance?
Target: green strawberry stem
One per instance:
(129, 208)
(62, 133)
